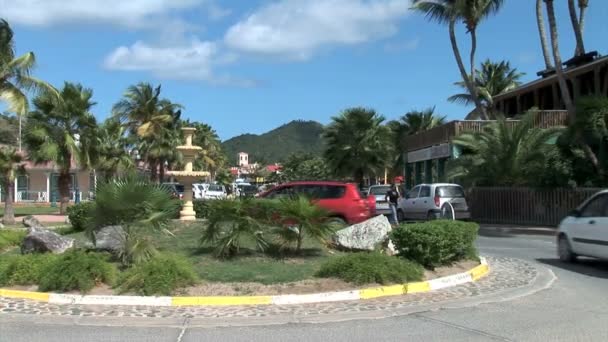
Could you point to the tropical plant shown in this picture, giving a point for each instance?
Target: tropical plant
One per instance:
(77, 270)
(223, 177)
(304, 166)
(540, 21)
(503, 153)
(153, 122)
(471, 13)
(139, 207)
(9, 129)
(233, 223)
(358, 144)
(493, 79)
(301, 218)
(10, 165)
(62, 130)
(15, 77)
(113, 149)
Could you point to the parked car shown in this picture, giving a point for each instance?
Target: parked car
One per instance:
(176, 190)
(199, 189)
(379, 193)
(343, 200)
(427, 201)
(248, 190)
(584, 232)
(215, 191)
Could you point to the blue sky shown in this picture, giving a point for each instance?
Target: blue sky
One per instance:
(247, 66)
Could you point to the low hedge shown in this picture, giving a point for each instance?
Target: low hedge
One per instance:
(10, 238)
(24, 269)
(77, 270)
(201, 208)
(161, 275)
(367, 268)
(436, 243)
(80, 214)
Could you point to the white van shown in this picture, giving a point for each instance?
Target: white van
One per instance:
(215, 191)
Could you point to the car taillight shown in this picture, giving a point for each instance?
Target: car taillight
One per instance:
(437, 198)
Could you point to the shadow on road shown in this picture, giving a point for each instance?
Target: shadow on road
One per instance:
(495, 233)
(590, 267)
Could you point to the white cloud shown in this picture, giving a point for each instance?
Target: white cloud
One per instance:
(194, 61)
(297, 29)
(129, 13)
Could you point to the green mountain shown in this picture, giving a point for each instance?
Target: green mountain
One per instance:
(276, 145)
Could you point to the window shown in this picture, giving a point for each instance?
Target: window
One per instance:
(321, 191)
(449, 191)
(414, 192)
(597, 207)
(379, 190)
(282, 192)
(425, 191)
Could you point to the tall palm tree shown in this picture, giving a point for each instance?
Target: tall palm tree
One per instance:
(540, 21)
(113, 149)
(148, 117)
(502, 154)
(493, 79)
(15, 78)
(577, 24)
(471, 12)
(10, 161)
(357, 143)
(61, 130)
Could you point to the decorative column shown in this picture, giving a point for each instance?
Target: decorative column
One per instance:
(418, 173)
(428, 171)
(16, 189)
(48, 186)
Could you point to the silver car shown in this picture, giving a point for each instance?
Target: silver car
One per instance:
(379, 191)
(433, 201)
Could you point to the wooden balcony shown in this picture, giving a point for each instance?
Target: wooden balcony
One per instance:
(445, 133)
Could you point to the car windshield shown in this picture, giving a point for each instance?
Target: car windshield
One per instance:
(200, 187)
(179, 188)
(379, 190)
(449, 191)
(215, 187)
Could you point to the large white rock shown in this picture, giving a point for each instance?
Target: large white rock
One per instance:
(110, 238)
(364, 236)
(40, 240)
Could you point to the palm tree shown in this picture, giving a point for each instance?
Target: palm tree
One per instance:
(357, 143)
(471, 12)
(502, 153)
(543, 35)
(577, 24)
(148, 117)
(10, 161)
(61, 130)
(493, 79)
(15, 78)
(113, 149)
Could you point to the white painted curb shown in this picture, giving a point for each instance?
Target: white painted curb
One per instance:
(57, 298)
(316, 298)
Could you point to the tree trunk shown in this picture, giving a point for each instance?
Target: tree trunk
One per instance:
(153, 170)
(300, 239)
(359, 175)
(470, 86)
(558, 63)
(580, 47)
(581, 18)
(64, 190)
(543, 34)
(9, 212)
(161, 171)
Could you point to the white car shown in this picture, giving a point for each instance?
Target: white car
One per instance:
(433, 201)
(215, 191)
(584, 231)
(199, 189)
(379, 192)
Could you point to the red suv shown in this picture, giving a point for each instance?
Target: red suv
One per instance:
(343, 200)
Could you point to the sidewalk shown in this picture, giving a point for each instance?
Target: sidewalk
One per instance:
(514, 229)
(48, 218)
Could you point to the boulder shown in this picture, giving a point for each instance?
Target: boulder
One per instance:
(364, 236)
(109, 238)
(40, 240)
(32, 222)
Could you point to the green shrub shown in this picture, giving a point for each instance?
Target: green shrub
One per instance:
(10, 238)
(201, 208)
(77, 270)
(80, 214)
(161, 275)
(24, 269)
(436, 243)
(367, 268)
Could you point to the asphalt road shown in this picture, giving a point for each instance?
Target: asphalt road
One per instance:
(574, 308)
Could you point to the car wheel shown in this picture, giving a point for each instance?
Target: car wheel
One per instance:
(564, 250)
(400, 215)
(432, 216)
(337, 222)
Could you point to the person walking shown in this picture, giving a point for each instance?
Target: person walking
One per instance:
(392, 197)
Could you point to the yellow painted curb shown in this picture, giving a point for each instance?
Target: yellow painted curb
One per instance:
(479, 271)
(40, 296)
(382, 291)
(422, 286)
(221, 300)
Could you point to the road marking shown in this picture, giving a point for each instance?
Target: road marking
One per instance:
(461, 327)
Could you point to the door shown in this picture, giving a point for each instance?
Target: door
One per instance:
(424, 202)
(408, 203)
(590, 230)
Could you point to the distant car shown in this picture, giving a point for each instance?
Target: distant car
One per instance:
(379, 192)
(176, 190)
(342, 200)
(248, 191)
(433, 201)
(199, 189)
(215, 191)
(584, 232)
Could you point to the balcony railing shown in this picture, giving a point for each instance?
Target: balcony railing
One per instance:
(445, 133)
(42, 196)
